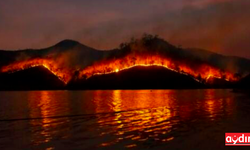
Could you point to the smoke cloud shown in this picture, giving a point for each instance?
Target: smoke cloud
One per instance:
(217, 25)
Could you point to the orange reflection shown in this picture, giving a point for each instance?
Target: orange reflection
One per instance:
(43, 100)
(42, 106)
(116, 103)
(210, 103)
(45, 104)
(128, 116)
(153, 122)
(152, 114)
(214, 103)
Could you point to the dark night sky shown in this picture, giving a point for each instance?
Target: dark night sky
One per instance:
(222, 26)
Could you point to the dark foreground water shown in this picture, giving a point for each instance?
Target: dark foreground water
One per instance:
(121, 119)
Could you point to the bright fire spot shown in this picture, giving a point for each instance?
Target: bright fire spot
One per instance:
(116, 70)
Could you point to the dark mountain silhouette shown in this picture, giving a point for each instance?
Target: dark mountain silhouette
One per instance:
(37, 78)
(138, 78)
(67, 43)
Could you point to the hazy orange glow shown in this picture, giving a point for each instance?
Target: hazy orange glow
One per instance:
(197, 71)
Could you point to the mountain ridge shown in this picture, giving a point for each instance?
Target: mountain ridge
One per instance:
(75, 57)
(87, 53)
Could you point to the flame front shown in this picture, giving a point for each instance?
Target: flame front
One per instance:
(200, 72)
(62, 73)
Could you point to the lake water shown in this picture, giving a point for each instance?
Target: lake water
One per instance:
(121, 119)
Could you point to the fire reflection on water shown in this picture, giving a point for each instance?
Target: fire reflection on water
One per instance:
(45, 105)
(43, 100)
(126, 118)
(150, 115)
(137, 123)
(213, 104)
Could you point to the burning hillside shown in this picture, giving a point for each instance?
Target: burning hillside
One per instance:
(201, 72)
(146, 52)
(149, 51)
(62, 73)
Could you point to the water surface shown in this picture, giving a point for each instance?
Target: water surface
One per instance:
(121, 119)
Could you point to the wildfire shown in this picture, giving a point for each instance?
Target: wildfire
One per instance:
(199, 72)
(62, 73)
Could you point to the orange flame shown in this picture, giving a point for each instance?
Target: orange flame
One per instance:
(198, 71)
(62, 73)
(202, 71)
